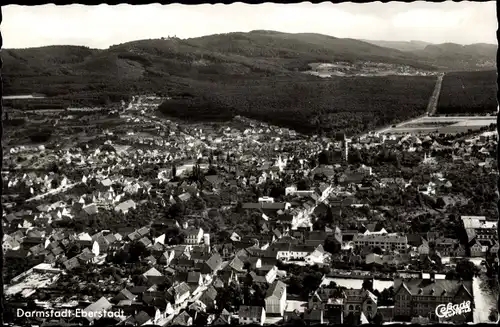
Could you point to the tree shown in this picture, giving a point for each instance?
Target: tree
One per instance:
(54, 183)
(73, 250)
(368, 285)
(176, 210)
(323, 158)
(493, 316)
(355, 157)
(303, 185)
(120, 257)
(332, 245)
(138, 250)
(174, 171)
(464, 269)
(351, 320)
(378, 319)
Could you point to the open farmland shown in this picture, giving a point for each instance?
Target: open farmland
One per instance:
(468, 93)
(443, 125)
(309, 104)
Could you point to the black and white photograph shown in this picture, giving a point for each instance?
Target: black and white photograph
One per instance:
(250, 164)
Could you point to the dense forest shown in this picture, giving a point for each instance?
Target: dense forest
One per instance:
(309, 104)
(468, 93)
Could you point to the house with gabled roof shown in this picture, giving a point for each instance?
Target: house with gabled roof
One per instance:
(124, 294)
(360, 301)
(167, 257)
(275, 299)
(143, 231)
(479, 248)
(194, 280)
(99, 306)
(183, 264)
(417, 296)
(145, 241)
(153, 276)
(223, 319)
(179, 293)
(251, 315)
(218, 283)
(134, 236)
(183, 319)
(9, 243)
(194, 236)
(212, 264)
(208, 297)
(138, 319)
(125, 206)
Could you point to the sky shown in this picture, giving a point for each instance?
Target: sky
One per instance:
(103, 25)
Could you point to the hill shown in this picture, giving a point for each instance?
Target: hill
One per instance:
(452, 56)
(448, 56)
(89, 76)
(407, 46)
(263, 51)
(243, 73)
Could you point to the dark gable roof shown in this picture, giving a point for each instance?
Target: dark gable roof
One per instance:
(193, 277)
(237, 264)
(138, 289)
(182, 319)
(264, 206)
(141, 318)
(210, 293)
(199, 255)
(426, 286)
(127, 294)
(182, 288)
(285, 218)
(214, 179)
(253, 312)
(316, 236)
(277, 289)
(214, 262)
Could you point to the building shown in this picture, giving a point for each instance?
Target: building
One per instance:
(251, 315)
(477, 227)
(446, 246)
(420, 296)
(359, 301)
(385, 242)
(289, 251)
(423, 248)
(194, 236)
(276, 299)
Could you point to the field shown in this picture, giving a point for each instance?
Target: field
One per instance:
(468, 93)
(443, 125)
(309, 104)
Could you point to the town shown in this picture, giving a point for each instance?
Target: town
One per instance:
(170, 223)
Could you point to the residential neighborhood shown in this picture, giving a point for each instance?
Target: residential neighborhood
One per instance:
(170, 223)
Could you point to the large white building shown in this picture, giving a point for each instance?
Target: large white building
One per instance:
(477, 227)
(385, 242)
(194, 236)
(276, 298)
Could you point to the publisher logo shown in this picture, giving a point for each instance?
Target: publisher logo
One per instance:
(449, 310)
